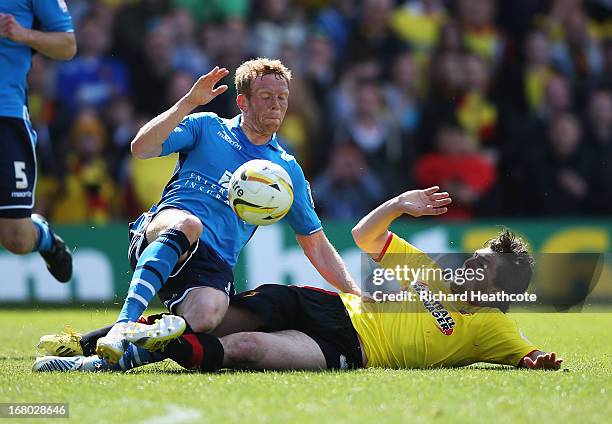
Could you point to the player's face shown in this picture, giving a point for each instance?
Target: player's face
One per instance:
(484, 263)
(264, 110)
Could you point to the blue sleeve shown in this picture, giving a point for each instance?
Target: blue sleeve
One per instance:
(53, 15)
(302, 216)
(187, 134)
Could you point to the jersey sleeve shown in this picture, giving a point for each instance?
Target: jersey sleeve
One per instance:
(499, 340)
(302, 216)
(187, 134)
(397, 252)
(53, 15)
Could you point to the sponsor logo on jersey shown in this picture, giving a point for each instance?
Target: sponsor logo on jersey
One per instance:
(436, 309)
(229, 140)
(218, 190)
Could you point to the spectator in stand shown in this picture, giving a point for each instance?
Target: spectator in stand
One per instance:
(372, 38)
(320, 81)
(599, 122)
(450, 39)
(132, 25)
(418, 23)
(402, 93)
(477, 18)
(371, 128)
(447, 85)
(578, 55)
(88, 191)
(152, 80)
(347, 189)
(599, 137)
(122, 126)
(93, 77)
(476, 113)
(337, 20)
(560, 180)
(458, 169)
(278, 24)
(187, 56)
(537, 71)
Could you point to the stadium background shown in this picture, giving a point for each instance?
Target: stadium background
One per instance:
(507, 105)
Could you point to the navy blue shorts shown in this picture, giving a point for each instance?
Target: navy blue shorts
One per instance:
(202, 268)
(17, 168)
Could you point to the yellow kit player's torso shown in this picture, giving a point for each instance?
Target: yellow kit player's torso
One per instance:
(421, 334)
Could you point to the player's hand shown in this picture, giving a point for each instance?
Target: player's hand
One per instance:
(11, 29)
(423, 202)
(544, 361)
(203, 91)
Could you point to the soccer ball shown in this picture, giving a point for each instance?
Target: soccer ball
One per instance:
(260, 192)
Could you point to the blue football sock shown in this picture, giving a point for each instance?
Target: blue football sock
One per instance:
(45, 236)
(152, 270)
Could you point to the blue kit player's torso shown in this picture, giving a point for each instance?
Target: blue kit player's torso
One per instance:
(17, 137)
(15, 58)
(211, 149)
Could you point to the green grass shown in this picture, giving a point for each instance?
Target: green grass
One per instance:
(164, 393)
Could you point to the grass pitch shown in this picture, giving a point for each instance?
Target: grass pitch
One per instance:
(164, 393)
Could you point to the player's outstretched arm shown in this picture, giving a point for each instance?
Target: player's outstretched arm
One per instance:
(148, 142)
(371, 233)
(327, 261)
(541, 360)
(56, 45)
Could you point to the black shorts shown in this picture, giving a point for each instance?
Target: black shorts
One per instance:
(17, 168)
(320, 314)
(202, 268)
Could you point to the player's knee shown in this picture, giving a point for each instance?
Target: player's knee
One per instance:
(245, 349)
(15, 241)
(191, 226)
(204, 320)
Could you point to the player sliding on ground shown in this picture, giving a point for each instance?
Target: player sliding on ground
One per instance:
(184, 248)
(279, 327)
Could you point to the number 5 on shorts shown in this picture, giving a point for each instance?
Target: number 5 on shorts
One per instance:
(21, 179)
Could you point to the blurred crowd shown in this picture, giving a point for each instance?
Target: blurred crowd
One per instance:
(505, 104)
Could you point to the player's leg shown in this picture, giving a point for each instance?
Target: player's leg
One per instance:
(20, 231)
(20, 235)
(283, 350)
(203, 308)
(169, 235)
(168, 238)
(237, 320)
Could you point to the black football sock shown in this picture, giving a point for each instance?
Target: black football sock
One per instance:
(89, 340)
(198, 351)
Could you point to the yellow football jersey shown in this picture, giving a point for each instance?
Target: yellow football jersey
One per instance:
(422, 334)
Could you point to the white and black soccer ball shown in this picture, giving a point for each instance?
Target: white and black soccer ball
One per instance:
(260, 192)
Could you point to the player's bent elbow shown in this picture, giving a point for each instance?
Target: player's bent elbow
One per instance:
(138, 151)
(357, 236)
(69, 49)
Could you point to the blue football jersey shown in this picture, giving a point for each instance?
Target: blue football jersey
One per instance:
(15, 58)
(211, 149)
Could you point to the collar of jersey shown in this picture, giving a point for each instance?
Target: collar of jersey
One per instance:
(237, 130)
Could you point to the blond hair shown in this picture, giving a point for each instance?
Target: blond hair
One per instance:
(257, 68)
